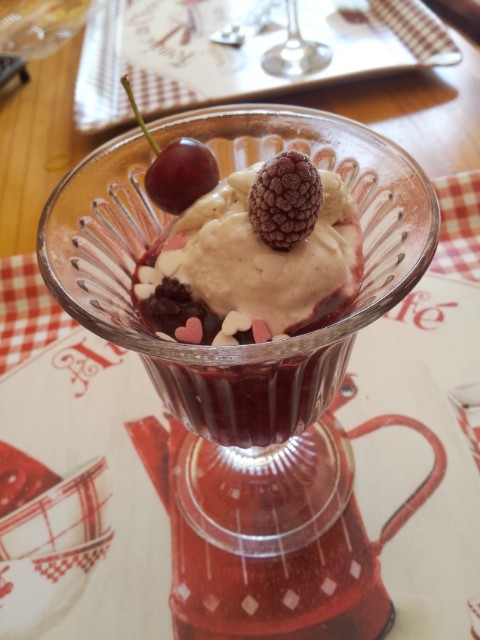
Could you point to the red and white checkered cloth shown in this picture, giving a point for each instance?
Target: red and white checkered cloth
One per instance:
(30, 319)
(417, 27)
(458, 252)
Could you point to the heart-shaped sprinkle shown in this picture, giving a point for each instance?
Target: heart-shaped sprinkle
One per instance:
(270, 264)
(192, 332)
(145, 274)
(164, 336)
(169, 262)
(235, 321)
(222, 339)
(261, 331)
(143, 291)
(177, 241)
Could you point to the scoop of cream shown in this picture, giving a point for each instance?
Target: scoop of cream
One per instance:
(215, 251)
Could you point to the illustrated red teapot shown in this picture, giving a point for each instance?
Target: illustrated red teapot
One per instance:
(330, 589)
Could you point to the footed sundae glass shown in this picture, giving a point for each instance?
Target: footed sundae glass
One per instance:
(260, 472)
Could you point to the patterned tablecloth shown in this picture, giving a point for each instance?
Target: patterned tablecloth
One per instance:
(67, 397)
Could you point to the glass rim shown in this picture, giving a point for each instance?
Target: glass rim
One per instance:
(150, 345)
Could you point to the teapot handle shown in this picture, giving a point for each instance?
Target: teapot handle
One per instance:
(424, 490)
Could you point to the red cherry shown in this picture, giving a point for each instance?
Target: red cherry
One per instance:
(184, 171)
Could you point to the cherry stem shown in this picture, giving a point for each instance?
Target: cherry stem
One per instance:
(138, 115)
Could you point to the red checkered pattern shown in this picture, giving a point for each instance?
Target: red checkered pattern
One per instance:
(148, 86)
(458, 252)
(30, 319)
(417, 27)
(53, 568)
(108, 102)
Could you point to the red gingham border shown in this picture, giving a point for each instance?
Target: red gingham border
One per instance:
(54, 566)
(416, 26)
(458, 252)
(30, 319)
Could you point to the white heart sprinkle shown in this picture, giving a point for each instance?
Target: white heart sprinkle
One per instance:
(145, 274)
(221, 339)
(235, 321)
(169, 262)
(280, 336)
(270, 265)
(164, 336)
(143, 291)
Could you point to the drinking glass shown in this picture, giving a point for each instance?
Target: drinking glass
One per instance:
(260, 472)
(34, 29)
(295, 57)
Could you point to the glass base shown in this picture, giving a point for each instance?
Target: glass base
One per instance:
(265, 501)
(296, 58)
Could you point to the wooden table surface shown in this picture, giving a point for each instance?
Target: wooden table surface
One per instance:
(434, 114)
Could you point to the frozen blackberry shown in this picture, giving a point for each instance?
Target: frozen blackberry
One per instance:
(285, 199)
(170, 307)
(173, 289)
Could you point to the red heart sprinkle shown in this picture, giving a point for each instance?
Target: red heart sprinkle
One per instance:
(261, 331)
(192, 332)
(177, 241)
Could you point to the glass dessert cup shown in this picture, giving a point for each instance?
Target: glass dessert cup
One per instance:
(34, 29)
(267, 474)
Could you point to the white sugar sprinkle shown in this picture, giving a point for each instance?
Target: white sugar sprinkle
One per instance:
(143, 291)
(145, 274)
(169, 262)
(221, 339)
(235, 321)
(280, 336)
(164, 336)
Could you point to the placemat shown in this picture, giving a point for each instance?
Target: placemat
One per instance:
(408, 540)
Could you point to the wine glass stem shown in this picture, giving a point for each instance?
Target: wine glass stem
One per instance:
(292, 17)
(295, 57)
